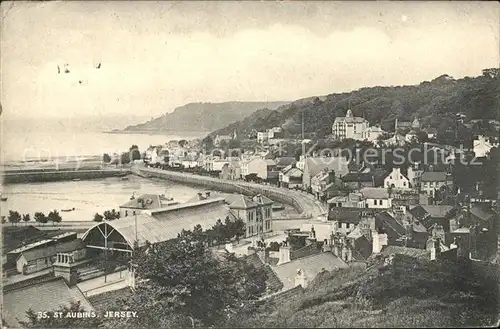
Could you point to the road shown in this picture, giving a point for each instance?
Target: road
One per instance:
(307, 202)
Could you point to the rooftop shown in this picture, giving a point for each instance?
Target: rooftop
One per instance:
(44, 296)
(168, 222)
(434, 176)
(374, 192)
(411, 252)
(316, 164)
(438, 211)
(357, 177)
(145, 201)
(312, 265)
(30, 246)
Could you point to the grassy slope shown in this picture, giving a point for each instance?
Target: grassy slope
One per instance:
(408, 294)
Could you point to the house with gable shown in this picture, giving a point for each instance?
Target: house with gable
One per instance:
(314, 165)
(396, 179)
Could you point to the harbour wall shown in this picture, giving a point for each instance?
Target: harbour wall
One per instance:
(228, 186)
(36, 175)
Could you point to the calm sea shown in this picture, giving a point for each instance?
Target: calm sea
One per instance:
(87, 197)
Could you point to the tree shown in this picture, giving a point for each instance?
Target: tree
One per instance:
(182, 142)
(125, 157)
(34, 321)
(106, 158)
(134, 153)
(40, 217)
(111, 214)
(184, 285)
(14, 217)
(54, 216)
(26, 217)
(98, 217)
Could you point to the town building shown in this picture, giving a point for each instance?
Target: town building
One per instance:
(290, 177)
(231, 171)
(372, 134)
(414, 175)
(259, 166)
(483, 145)
(396, 179)
(431, 132)
(314, 165)
(349, 127)
(357, 180)
(156, 225)
(39, 259)
(376, 197)
(324, 184)
(401, 232)
(219, 139)
(411, 136)
(143, 203)
(264, 136)
(43, 294)
(432, 181)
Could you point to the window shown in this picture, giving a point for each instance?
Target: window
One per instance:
(347, 225)
(133, 212)
(126, 213)
(374, 202)
(404, 183)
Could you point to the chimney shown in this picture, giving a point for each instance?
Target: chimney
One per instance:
(63, 267)
(435, 248)
(301, 278)
(331, 176)
(409, 233)
(263, 254)
(284, 255)
(379, 240)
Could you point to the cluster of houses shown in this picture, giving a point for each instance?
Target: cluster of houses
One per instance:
(357, 128)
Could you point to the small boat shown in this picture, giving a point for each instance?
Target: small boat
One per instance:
(3, 197)
(76, 180)
(125, 178)
(68, 210)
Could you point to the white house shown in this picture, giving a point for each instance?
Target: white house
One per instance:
(432, 181)
(414, 174)
(349, 127)
(376, 197)
(256, 166)
(483, 145)
(396, 179)
(411, 135)
(263, 136)
(290, 177)
(372, 134)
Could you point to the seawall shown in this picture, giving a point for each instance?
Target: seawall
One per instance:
(228, 186)
(41, 175)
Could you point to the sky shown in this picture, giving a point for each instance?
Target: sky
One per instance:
(156, 56)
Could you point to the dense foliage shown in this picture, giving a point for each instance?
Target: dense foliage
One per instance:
(184, 283)
(408, 293)
(435, 102)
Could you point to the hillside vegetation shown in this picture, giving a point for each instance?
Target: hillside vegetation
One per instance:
(409, 293)
(202, 116)
(435, 102)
